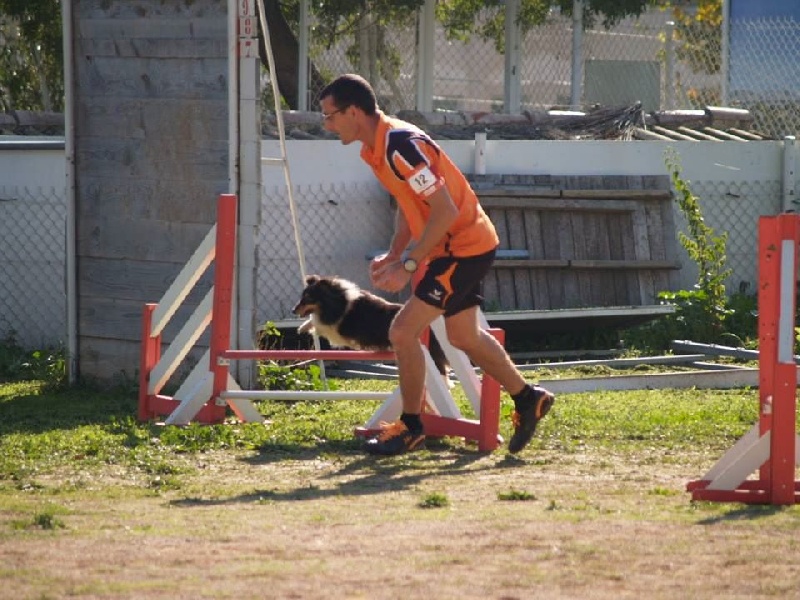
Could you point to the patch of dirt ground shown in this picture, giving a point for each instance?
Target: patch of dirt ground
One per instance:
(442, 523)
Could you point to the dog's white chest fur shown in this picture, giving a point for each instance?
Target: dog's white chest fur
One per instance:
(329, 332)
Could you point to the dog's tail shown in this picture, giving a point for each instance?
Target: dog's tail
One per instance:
(437, 354)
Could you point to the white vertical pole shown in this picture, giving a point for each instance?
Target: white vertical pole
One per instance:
(69, 151)
(786, 307)
(426, 46)
(725, 46)
(302, 58)
(480, 153)
(788, 176)
(247, 109)
(577, 54)
(512, 76)
(669, 67)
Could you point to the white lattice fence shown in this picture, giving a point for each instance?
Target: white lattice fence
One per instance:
(32, 265)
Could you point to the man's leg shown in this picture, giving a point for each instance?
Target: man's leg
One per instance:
(531, 403)
(404, 333)
(465, 333)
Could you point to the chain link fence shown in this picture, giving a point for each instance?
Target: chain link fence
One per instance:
(733, 207)
(664, 62)
(338, 223)
(32, 265)
(765, 72)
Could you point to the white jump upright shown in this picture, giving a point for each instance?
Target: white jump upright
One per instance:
(771, 448)
(209, 389)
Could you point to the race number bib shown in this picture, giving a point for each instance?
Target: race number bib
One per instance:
(423, 181)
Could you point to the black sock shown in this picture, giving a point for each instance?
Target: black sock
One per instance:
(413, 422)
(524, 398)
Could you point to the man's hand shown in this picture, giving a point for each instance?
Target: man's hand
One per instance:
(388, 274)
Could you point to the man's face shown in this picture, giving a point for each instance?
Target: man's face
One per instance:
(340, 121)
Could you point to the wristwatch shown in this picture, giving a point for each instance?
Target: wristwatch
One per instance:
(410, 265)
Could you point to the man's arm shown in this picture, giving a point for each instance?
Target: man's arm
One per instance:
(443, 214)
(388, 274)
(401, 237)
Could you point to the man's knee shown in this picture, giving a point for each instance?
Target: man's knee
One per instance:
(400, 336)
(462, 340)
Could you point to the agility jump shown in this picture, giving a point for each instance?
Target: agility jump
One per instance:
(209, 389)
(771, 447)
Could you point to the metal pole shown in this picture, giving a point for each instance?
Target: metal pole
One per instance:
(302, 58)
(426, 51)
(69, 151)
(577, 54)
(669, 68)
(512, 77)
(724, 69)
(788, 176)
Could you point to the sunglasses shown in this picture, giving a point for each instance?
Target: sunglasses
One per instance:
(326, 116)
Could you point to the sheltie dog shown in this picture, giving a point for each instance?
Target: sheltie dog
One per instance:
(347, 316)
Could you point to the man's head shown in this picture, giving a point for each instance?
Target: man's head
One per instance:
(348, 104)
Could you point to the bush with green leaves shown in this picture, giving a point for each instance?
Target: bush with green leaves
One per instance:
(48, 365)
(704, 314)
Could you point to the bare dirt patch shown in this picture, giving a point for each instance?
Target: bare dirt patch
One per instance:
(586, 525)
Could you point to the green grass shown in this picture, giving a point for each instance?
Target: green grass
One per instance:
(44, 430)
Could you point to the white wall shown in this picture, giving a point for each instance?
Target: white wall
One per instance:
(345, 214)
(735, 181)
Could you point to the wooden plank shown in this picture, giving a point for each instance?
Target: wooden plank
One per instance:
(154, 77)
(533, 263)
(199, 119)
(522, 279)
(578, 263)
(114, 319)
(140, 281)
(558, 204)
(566, 249)
(628, 291)
(535, 245)
(620, 248)
(581, 231)
(623, 264)
(122, 238)
(507, 192)
(490, 292)
(170, 158)
(145, 198)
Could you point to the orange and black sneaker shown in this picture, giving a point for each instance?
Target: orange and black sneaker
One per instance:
(525, 420)
(394, 438)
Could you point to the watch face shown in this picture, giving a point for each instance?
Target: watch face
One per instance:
(410, 265)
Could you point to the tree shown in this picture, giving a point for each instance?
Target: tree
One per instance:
(31, 55)
(364, 24)
(701, 35)
(460, 17)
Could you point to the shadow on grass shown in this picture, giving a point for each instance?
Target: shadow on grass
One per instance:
(745, 513)
(64, 409)
(365, 474)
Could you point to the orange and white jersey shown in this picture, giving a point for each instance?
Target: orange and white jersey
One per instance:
(411, 166)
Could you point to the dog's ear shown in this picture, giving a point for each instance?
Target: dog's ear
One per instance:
(312, 279)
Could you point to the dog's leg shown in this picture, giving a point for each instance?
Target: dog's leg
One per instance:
(306, 327)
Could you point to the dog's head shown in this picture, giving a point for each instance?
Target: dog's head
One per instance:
(324, 294)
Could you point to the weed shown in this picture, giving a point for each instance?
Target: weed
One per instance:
(515, 495)
(435, 500)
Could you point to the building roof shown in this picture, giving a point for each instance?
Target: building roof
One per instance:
(600, 123)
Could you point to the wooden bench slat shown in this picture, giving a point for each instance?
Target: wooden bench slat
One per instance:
(585, 264)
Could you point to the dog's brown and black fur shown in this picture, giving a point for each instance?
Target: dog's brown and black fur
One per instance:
(347, 316)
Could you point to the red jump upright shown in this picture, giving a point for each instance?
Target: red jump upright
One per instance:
(208, 391)
(770, 447)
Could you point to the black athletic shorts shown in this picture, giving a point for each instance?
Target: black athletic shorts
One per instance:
(454, 283)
